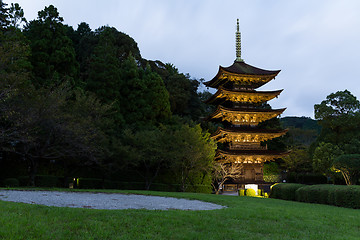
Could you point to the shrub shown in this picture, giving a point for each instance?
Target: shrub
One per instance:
(242, 192)
(272, 178)
(285, 191)
(11, 182)
(250, 192)
(337, 195)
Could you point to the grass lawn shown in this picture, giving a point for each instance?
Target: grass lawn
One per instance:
(245, 218)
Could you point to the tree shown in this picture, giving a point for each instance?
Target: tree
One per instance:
(338, 115)
(185, 101)
(144, 99)
(324, 157)
(104, 76)
(149, 151)
(57, 124)
(194, 153)
(4, 21)
(53, 54)
(14, 81)
(271, 172)
(16, 15)
(349, 166)
(298, 161)
(225, 171)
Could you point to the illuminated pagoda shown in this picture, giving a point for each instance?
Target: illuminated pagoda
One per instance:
(240, 108)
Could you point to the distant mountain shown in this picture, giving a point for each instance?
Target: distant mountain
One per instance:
(303, 131)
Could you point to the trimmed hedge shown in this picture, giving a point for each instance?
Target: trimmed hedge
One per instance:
(337, 195)
(285, 191)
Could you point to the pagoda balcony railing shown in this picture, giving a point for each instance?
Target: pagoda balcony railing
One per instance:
(245, 146)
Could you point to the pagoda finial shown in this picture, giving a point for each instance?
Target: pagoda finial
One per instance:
(238, 43)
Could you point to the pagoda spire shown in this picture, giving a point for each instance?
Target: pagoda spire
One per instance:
(238, 44)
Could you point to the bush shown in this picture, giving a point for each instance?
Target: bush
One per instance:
(11, 182)
(285, 191)
(241, 192)
(250, 192)
(272, 178)
(337, 195)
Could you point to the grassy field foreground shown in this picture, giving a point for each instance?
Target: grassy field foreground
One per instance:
(244, 218)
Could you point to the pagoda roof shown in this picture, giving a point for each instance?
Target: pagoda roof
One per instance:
(239, 95)
(245, 116)
(242, 73)
(246, 135)
(243, 68)
(237, 130)
(248, 156)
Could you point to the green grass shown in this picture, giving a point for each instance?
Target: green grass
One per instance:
(244, 218)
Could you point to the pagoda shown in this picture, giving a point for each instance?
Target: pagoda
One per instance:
(240, 109)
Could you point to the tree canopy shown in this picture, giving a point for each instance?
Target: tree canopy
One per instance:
(85, 102)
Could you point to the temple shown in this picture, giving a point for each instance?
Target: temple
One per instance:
(240, 110)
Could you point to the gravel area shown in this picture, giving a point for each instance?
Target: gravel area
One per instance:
(104, 200)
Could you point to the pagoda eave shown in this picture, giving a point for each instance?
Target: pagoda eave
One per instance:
(249, 156)
(246, 135)
(242, 73)
(238, 116)
(241, 96)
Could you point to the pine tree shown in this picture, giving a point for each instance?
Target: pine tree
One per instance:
(53, 54)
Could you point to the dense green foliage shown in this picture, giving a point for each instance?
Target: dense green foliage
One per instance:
(349, 166)
(53, 55)
(285, 191)
(317, 143)
(303, 131)
(83, 103)
(339, 116)
(271, 172)
(337, 195)
(324, 157)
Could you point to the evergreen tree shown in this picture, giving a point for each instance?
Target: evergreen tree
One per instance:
(4, 21)
(53, 54)
(104, 77)
(339, 116)
(144, 99)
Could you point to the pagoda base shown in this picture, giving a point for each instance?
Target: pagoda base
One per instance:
(235, 187)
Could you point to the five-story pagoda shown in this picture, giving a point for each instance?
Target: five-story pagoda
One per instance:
(240, 108)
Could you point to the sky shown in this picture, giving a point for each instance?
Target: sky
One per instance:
(315, 44)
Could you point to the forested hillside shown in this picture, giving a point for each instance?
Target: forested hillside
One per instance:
(302, 130)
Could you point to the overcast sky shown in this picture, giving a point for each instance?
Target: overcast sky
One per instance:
(315, 44)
